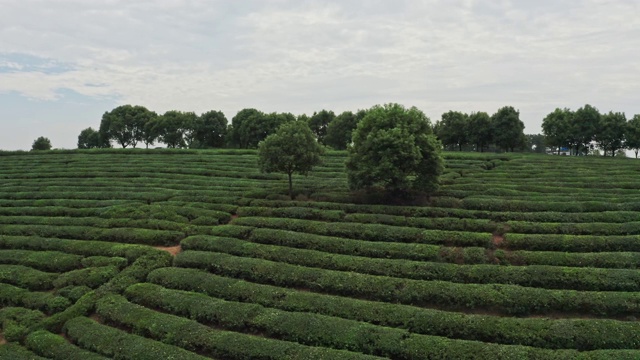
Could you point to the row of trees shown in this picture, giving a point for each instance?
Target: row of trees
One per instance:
(504, 130)
(580, 130)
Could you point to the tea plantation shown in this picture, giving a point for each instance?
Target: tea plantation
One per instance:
(185, 254)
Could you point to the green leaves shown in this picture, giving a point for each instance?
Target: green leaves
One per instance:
(393, 147)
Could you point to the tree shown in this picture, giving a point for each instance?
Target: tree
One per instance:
(292, 149)
(211, 129)
(395, 148)
(508, 129)
(479, 130)
(584, 126)
(125, 124)
(237, 135)
(535, 143)
(556, 127)
(88, 139)
(452, 130)
(632, 134)
(41, 143)
(339, 130)
(171, 127)
(611, 132)
(150, 131)
(319, 122)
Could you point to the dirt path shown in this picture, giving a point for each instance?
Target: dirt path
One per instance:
(498, 240)
(173, 250)
(2, 340)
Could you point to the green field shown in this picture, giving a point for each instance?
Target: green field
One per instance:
(516, 257)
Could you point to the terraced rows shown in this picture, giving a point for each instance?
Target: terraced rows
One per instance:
(136, 254)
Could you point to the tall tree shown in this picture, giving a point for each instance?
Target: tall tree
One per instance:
(508, 129)
(150, 131)
(319, 122)
(394, 147)
(480, 130)
(556, 127)
(339, 130)
(238, 132)
(88, 139)
(610, 134)
(632, 134)
(211, 129)
(452, 130)
(171, 127)
(41, 143)
(125, 124)
(584, 126)
(292, 149)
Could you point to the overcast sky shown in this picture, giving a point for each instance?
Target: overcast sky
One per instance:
(63, 63)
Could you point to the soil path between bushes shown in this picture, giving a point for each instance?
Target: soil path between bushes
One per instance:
(2, 340)
(173, 250)
(498, 240)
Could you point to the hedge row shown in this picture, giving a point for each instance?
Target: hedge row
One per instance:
(571, 243)
(191, 335)
(52, 261)
(17, 322)
(56, 347)
(439, 212)
(506, 299)
(79, 247)
(27, 277)
(91, 277)
(14, 296)
(119, 344)
(579, 334)
(122, 235)
(96, 261)
(539, 276)
(293, 212)
(596, 228)
(425, 252)
(13, 351)
(320, 330)
(371, 232)
(94, 222)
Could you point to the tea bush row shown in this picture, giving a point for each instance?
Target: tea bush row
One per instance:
(191, 335)
(541, 276)
(582, 334)
(505, 299)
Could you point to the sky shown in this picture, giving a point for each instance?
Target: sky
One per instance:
(63, 63)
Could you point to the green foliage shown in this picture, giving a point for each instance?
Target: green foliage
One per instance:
(89, 139)
(175, 128)
(210, 130)
(291, 150)
(632, 134)
(393, 147)
(584, 127)
(56, 347)
(125, 124)
(340, 129)
(319, 123)
(114, 343)
(41, 143)
(610, 133)
(250, 126)
(556, 127)
(479, 128)
(453, 129)
(508, 129)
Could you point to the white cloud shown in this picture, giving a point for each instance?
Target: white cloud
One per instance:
(303, 56)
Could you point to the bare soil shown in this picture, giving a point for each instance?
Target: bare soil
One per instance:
(2, 340)
(498, 240)
(173, 250)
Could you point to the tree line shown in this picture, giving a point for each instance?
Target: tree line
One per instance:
(130, 125)
(583, 130)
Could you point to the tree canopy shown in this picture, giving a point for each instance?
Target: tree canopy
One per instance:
(508, 129)
(41, 143)
(319, 123)
(89, 139)
(339, 131)
(291, 149)
(125, 124)
(394, 147)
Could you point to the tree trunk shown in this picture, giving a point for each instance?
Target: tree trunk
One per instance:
(636, 153)
(460, 147)
(290, 187)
